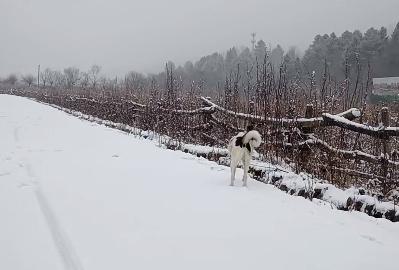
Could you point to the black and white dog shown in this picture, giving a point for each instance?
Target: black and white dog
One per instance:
(240, 149)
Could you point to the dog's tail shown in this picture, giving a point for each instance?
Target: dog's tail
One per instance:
(253, 138)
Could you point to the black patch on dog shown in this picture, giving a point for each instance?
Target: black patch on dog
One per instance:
(248, 147)
(239, 141)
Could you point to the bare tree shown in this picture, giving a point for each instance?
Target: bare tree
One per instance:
(52, 76)
(46, 77)
(28, 79)
(103, 82)
(12, 79)
(134, 81)
(93, 75)
(84, 80)
(59, 78)
(71, 76)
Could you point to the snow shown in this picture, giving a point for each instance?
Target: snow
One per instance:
(354, 154)
(351, 113)
(210, 109)
(393, 131)
(345, 121)
(332, 195)
(354, 111)
(78, 195)
(203, 149)
(386, 80)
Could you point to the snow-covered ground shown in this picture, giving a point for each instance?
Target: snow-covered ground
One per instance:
(77, 195)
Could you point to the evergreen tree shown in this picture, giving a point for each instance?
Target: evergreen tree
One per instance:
(260, 51)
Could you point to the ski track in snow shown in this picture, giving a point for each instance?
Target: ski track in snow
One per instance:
(16, 134)
(63, 244)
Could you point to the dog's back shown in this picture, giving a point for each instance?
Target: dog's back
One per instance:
(233, 141)
(236, 151)
(249, 140)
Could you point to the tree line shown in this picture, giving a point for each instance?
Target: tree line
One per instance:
(337, 56)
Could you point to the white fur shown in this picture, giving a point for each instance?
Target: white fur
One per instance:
(238, 153)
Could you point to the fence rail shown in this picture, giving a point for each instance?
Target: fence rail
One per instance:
(303, 142)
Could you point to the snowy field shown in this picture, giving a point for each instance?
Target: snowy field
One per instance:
(77, 195)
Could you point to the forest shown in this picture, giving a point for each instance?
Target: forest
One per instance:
(327, 54)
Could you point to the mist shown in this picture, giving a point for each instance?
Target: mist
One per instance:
(122, 35)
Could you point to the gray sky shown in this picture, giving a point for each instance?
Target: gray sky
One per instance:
(123, 35)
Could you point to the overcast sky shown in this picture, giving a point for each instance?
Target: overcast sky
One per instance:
(123, 35)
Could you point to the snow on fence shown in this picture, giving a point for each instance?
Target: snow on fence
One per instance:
(285, 122)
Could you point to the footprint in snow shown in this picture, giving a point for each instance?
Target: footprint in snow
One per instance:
(115, 156)
(4, 173)
(36, 150)
(217, 169)
(23, 185)
(370, 238)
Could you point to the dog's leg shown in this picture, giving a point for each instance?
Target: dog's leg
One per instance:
(233, 167)
(246, 162)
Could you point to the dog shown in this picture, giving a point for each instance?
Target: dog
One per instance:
(240, 148)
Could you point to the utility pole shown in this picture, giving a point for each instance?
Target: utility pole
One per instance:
(38, 76)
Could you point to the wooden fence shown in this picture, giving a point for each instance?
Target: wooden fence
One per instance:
(335, 147)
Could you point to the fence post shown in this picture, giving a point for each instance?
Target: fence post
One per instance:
(305, 151)
(206, 119)
(309, 113)
(385, 148)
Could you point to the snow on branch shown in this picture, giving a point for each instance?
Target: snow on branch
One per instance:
(351, 114)
(358, 173)
(135, 104)
(205, 110)
(340, 121)
(285, 122)
(356, 155)
(200, 127)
